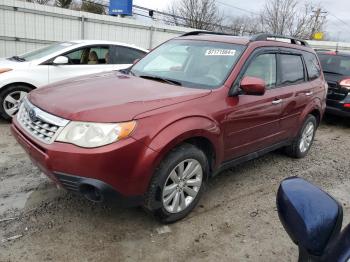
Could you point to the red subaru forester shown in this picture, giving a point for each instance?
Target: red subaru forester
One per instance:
(194, 106)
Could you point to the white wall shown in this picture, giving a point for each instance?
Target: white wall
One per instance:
(26, 26)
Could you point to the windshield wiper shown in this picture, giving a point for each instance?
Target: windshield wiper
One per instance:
(125, 71)
(157, 78)
(330, 72)
(17, 58)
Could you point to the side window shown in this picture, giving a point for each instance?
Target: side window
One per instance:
(75, 56)
(264, 67)
(125, 55)
(98, 55)
(292, 69)
(92, 55)
(312, 65)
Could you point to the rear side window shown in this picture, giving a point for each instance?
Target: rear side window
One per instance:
(125, 55)
(312, 65)
(292, 69)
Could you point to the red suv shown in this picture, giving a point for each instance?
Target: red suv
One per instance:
(194, 106)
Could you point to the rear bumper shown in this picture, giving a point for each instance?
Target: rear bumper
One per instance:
(120, 171)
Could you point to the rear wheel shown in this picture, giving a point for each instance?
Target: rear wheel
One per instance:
(302, 143)
(11, 98)
(178, 184)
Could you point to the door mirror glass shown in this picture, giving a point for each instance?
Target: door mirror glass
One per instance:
(309, 215)
(253, 86)
(60, 60)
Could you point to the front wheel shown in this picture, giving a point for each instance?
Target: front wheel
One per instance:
(178, 184)
(302, 143)
(10, 100)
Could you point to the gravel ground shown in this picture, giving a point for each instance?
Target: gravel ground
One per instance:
(235, 221)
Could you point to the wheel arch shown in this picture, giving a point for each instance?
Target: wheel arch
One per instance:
(200, 132)
(317, 114)
(18, 83)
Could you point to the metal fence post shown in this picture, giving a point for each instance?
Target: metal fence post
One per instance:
(82, 27)
(151, 30)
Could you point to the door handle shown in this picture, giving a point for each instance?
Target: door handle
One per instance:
(276, 102)
(309, 93)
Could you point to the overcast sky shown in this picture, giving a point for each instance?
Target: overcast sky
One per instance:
(337, 9)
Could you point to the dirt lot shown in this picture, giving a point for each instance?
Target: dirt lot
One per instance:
(235, 221)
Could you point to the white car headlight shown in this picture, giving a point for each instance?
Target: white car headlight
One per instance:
(87, 134)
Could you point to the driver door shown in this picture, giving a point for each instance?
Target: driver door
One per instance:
(253, 122)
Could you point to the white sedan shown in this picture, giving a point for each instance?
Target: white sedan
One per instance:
(20, 74)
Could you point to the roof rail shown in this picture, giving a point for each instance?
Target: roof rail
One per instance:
(264, 37)
(203, 33)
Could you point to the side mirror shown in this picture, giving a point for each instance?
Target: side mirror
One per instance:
(60, 60)
(311, 217)
(253, 86)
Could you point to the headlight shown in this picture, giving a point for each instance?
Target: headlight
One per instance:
(4, 70)
(87, 134)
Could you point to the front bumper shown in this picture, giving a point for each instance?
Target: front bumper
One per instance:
(120, 170)
(336, 107)
(338, 111)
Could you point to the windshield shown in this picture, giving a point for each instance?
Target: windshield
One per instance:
(42, 52)
(190, 63)
(335, 64)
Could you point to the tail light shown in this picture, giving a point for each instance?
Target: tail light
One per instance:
(345, 83)
(347, 105)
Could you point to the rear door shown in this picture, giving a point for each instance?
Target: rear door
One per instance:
(252, 123)
(295, 90)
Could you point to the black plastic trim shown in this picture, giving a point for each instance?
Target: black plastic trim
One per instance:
(76, 184)
(236, 161)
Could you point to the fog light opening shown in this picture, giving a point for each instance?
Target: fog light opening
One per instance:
(91, 193)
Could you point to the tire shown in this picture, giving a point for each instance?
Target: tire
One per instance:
(157, 195)
(17, 92)
(296, 150)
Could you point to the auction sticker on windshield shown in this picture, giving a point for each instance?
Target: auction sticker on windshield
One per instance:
(221, 52)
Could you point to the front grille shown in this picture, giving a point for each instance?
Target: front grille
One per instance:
(39, 124)
(335, 93)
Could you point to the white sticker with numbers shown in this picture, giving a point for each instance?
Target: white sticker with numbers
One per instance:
(221, 52)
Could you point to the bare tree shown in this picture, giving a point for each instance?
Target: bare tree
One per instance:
(93, 7)
(200, 14)
(245, 25)
(288, 17)
(63, 3)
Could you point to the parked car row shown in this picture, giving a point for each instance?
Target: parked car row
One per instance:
(154, 134)
(21, 74)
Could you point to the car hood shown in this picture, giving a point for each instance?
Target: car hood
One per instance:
(5, 63)
(334, 77)
(109, 97)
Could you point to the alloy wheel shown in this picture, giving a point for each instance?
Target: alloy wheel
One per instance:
(306, 137)
(12, 102)
(182, 185)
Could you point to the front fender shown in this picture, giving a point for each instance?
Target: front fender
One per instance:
(187, 128)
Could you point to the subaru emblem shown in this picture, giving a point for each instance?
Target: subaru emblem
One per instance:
(32, 115)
